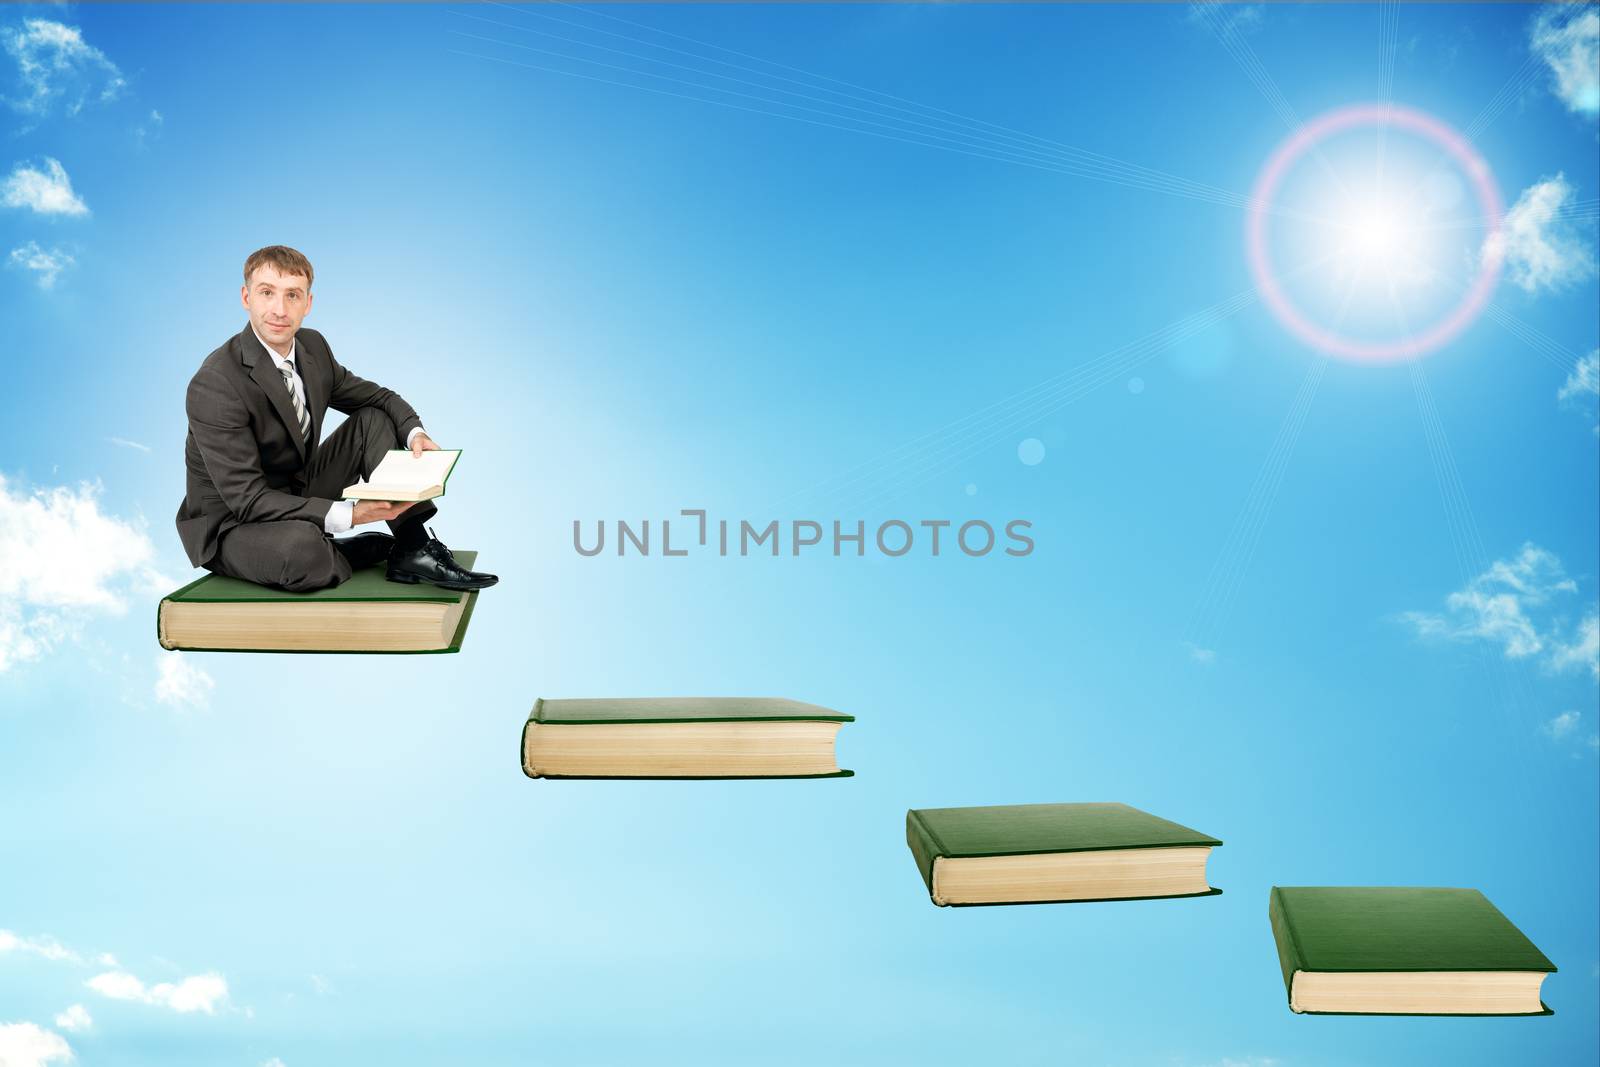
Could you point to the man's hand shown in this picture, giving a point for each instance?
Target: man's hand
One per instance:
(378, 510)
(421, 443)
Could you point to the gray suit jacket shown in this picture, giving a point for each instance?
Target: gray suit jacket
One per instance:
(244, 456)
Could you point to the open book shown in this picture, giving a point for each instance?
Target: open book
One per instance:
(402, 476)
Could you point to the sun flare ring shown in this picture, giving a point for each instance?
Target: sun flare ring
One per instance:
(1374, 232)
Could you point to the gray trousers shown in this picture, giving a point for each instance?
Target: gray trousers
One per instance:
(297, 555)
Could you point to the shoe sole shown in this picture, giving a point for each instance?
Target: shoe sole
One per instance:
(458, 587)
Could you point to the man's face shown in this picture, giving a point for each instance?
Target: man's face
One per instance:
(277, 303)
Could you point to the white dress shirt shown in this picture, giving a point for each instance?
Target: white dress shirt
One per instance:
(341, 517)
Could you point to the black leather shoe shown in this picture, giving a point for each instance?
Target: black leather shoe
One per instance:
(432, 562)
(365, 550)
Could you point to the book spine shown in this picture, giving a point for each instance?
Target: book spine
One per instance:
(527, 750)
(1289, 958)
(527, 729)
(161, 625)
(924, 847)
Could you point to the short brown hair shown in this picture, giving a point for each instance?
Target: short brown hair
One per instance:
(287, 261)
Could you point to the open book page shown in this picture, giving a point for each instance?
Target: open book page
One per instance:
(402, 476)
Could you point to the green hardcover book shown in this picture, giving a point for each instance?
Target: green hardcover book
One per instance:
(681, 737)
(1395, 950)
(365, 614)
(1055, 853)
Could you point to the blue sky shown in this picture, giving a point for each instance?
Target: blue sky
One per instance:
(1339, 615)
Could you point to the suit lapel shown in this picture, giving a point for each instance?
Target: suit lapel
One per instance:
(265, 374)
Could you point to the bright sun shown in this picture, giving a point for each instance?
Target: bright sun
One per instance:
(1374, 235)
(1367, 232)
(1378, 249)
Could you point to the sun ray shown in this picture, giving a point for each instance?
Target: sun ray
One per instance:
(896, 100)
(1542, 344)
(952, 453)
(1512, 88)
(1003, 144)
(1507, 689)
(1507, 694)
(1238, 550)
(1243, 55)
(1239, 546)
(930, 453)
(922, 464)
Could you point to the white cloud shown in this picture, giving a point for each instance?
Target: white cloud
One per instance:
(1227, 20)
(47, 191)
(321, 985)
(66, 560)
(197, 993)
(54, 63)
(73, 551)
(1565, 728)
(1581, 390)
(1492, 607)
(1511, 605)
(1537, 248)
(123, 442)
(29, 1045)
(1563, 725)
(44, 947)
(180, 683)
(1584, 381)
(74, 1019)
(48, 265)
(1567, 37)
(274, 1062)
(149, 128)
(1206, 656)
(1582, 651)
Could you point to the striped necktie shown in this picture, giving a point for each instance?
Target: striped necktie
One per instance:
(294, 397)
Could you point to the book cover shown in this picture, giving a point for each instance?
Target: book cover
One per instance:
(1036, 829)
(637, 710)
(1395, 928)
(591, 711)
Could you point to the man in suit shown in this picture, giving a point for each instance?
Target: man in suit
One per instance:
(262, 498)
